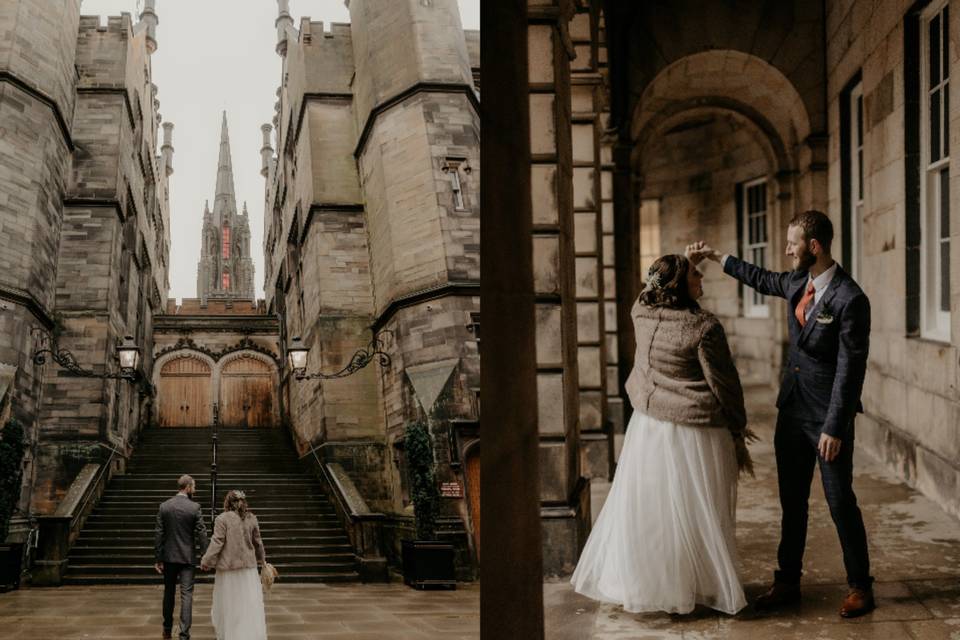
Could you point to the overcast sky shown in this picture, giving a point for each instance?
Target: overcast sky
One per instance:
(215, 55)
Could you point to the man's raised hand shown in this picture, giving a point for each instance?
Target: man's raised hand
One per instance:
(699, 250)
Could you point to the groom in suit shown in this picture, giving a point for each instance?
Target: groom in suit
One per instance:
(179, 527)
(829, 328)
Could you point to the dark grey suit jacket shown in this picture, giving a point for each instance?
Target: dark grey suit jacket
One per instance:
(827, 360)
(179, 526)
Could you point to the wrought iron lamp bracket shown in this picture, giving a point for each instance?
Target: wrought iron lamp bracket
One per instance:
(375, 350)
(68, 361)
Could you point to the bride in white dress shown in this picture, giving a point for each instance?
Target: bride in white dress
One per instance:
(235, 550)
(665, 538)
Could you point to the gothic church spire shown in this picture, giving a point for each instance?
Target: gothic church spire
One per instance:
(225, 202)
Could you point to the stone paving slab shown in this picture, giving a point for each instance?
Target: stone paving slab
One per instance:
(914, 552)
(294, 612)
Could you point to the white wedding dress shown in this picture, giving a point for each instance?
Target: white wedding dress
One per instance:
(665, 538)
(237, 610)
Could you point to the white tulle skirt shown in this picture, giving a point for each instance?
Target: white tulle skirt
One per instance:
(665, 539)
(237, 610)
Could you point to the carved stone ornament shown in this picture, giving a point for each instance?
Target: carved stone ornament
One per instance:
(245, 344)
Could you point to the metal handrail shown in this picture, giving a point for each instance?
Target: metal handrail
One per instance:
(93, 485)
(213, 465)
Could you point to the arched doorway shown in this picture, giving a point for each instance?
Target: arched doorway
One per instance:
(184, 393)
(246, 392)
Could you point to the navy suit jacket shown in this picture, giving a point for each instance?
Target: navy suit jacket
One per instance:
(827, 360)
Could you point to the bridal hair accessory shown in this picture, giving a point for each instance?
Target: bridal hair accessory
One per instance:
(653, 279)
(240, 494)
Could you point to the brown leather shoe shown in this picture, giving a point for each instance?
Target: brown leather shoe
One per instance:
(167, 635)
(857, 603)
(779, 595)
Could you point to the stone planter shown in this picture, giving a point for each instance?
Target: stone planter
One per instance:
(428, 564)
(11, 566)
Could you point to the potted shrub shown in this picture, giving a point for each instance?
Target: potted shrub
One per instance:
(427, 562)
(12, 447)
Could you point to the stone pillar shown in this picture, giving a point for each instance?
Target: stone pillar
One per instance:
(616, 418)
(595, 437)
(564, 494)
(511, 601)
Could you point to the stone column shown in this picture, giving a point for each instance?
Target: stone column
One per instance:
(614, 398)
(595, 436)
(564, 494)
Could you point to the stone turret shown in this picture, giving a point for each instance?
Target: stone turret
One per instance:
(167, 148)
(284, 24)
(422, 42)
(148, 17)
(266, 151)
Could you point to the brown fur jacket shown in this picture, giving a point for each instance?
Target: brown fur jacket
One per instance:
(683, 371)
(236, 543)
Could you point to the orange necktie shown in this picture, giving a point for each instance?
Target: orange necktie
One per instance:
(801, 311)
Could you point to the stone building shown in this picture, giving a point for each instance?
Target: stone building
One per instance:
(719, 121)
(84, 232)
(226, 265)
(372, 222)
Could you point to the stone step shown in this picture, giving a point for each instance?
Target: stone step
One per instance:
(334, 545)
(285, 568)
(101, 529)
(266, 510)
(81, 579)
(317, 558)
(308, 541)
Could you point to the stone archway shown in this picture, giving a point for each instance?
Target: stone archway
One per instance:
(247, 390)
(712, 132)
(184, 382)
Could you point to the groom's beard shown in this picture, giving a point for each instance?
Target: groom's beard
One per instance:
(805, 260)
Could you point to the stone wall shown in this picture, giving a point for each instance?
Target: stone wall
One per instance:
(36, 109)
(364, 230)
(912, 390)
(92, 260)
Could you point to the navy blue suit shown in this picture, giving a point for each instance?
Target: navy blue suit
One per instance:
(820, 393)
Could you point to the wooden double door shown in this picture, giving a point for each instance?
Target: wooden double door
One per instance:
(185, 393)
(246, 393)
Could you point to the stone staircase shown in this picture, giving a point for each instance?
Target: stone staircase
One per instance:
(301, 533)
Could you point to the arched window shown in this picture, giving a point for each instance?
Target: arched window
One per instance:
(226, 243)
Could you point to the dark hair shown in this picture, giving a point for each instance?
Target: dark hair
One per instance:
(815, 226)
(671, 290)
(236, 501)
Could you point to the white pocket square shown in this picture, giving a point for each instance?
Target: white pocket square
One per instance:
(824, 318)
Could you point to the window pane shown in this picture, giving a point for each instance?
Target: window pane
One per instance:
(934, 50)
(945, 203)
(946, 119)
(935, 126)
(859, 141)
(763, 229)
(860, 174)
(946, 38)
(945, 275)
